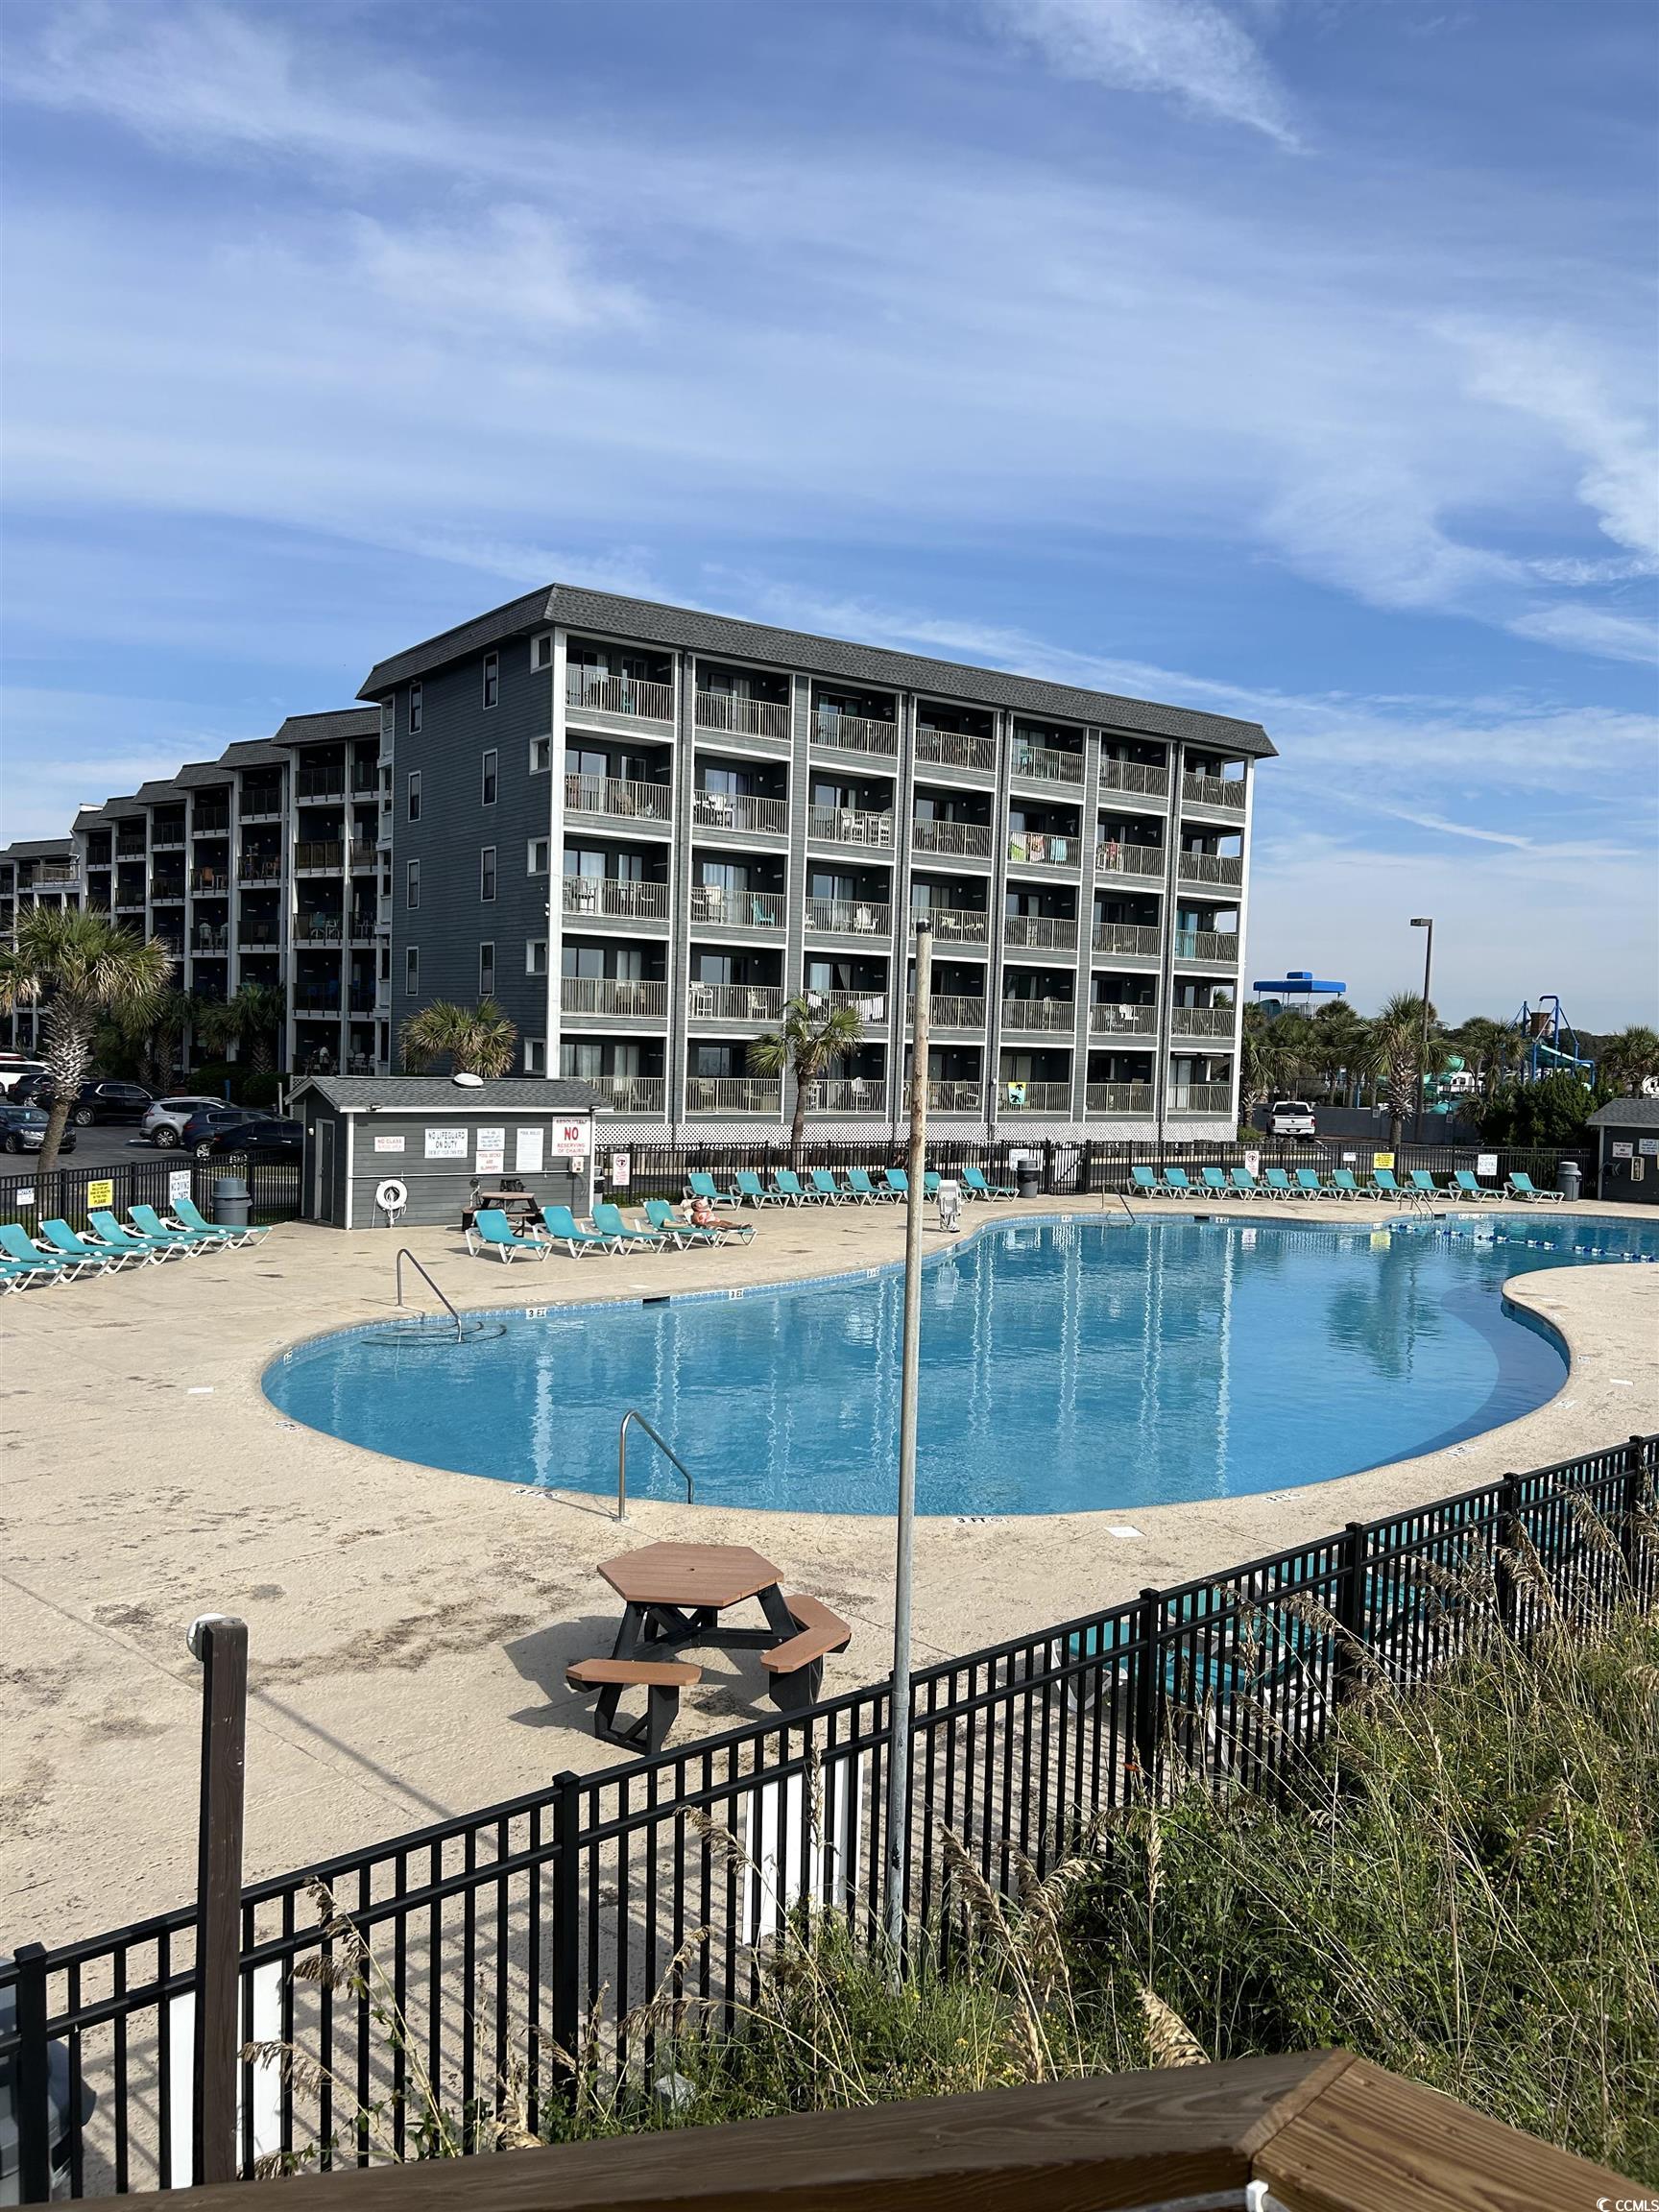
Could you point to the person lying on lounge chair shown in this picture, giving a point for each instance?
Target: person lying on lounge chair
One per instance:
(701, 1215)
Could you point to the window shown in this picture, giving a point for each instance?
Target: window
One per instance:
(413, 809)
(542, 650)
(539, 856)
(487, 873)
(487, 780)
(415, 703)
(535, 1056)
(485, 970)
(412, 885)
(535, 956)
(388, 720)
(541, 755)
(412, 971)
(492, 679)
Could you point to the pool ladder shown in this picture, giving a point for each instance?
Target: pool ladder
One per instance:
(667, 1450)
(406, 1254)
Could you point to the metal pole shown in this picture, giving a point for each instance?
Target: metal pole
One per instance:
(221, 1644)
(1425, 922)
(899, 1753)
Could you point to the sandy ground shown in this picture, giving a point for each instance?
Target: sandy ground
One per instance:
(410, 1626)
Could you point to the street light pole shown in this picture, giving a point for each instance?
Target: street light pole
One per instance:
(899, 1747)
(1424, 922)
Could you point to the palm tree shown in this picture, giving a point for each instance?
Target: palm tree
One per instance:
(476, 1040)
(148, 1030)
(250, 1018)
(1631, 1058)
(1489, 1048)
(80, 968)
(1266, 1060)
(1341, 1042)
(1397, 1042)
(812, 1038)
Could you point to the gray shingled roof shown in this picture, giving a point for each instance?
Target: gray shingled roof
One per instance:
(652, 624)
(438, 1095)
(1626, 1114)
(39, 849)
(158, 793)
(196, 773)
(252, 753)
(112, 810)
(337, 723)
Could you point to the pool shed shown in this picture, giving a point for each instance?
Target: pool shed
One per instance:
(1627, 1133)
(436, 1136)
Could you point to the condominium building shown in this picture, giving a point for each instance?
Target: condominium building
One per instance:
(642, 829)
(35, 872)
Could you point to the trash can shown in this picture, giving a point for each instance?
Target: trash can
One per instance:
(1569, 1179)
(231, 1203)
(1028, 1179)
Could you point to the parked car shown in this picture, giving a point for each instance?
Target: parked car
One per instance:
(23, 1129)
(99, 1100)
(164, 1121)
(261, 1140)
(1290, 1118)
(207, 1122)
(15, 1068)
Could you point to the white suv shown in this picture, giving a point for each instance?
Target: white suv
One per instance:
(1291, 1118)
(164, 1122)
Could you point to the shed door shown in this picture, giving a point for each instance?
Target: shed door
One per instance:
(322, 1171)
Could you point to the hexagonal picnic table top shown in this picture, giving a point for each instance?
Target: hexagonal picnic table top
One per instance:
(694, 1574)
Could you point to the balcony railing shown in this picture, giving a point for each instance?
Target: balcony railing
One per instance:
(1202, 1098)
(624, 899)
(167, 894)
(1203, 1021)
(850, 917)
(210, 943)
(58, 875)
(712, 906)
(602, 694)
(129, 902)
(1217, 945)
(1137, 939)
(1040, 932)
(854, 733)
(627, 1093)
(972, 839)
(207, 822)
(259, 937)
(733, 1095)
(743, 717)
(741, 811)
(1134, 776)
(615, 796)
(1044, 849)
(318, 858)
(954, 1095)
(628, 998)
(1113, 858)
(361, 928)
(365, 855)
(326, 929)
(261, 805)
(951, 1010)
(959, 924)
(870, 1005)
(1015, 1097)
(1042, 764)
(168, 840)
(259, 868)
(321, 786)
(1212, 868)
(849, 825)
(734, 1002)
(318, 1005)
(1110, 1017)
(362, 998)
(211, 882)
(955, 749)
(1215, 791)
(1048, 1013)
(847, 1095)
(130, 849)
(1118, 1098)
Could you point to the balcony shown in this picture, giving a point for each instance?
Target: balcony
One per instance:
(129, 902)
(259, 868)
(1215, 791)
(743, 717)
(627, 1093)
(1133, 940)
(318, 858)
(955, 1097)
(168, 894)
(1041, 933)
(1212, 868)
(211, 882)
(1203, 1021)
(323, 931)
(849, 825)
(950, 1010)
(210, 943)
(210, 822)
(849, 918)
(971, 840)
(623, 997)
(259, 937)
(361, 999)
(1202, 1098)
(747, 1003)
(1044, 849)
(130, 849)
(360, 1064)
(597, 694)
(55, 875)
(1042, 764)
(619, 798)
(1056, 1016)
(317, 1005)
(365, 858)
(320, 786)
(737, 810)
(847, 1095)
(1108, 1018)
(1215, 948)
(1034, 1098)
(168, 840)
(733, 1095)
(1134, 776)
(1113, 858)
(957, 925)
(855, 733)
(870, 1006)
(1118, 1098)
(260, 807)
(621, 898)
(955, 749)
(714, 906)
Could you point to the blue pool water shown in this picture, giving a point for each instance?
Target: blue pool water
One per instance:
(1066, 1365)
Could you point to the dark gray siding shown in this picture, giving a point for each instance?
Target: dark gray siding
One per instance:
(438, 1189)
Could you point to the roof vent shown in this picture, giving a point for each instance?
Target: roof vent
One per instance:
(467, 1082)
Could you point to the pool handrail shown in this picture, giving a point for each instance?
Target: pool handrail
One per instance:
(403, 1254)
(667, 1450)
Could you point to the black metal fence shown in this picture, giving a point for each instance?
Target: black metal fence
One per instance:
(461, 1965)
(69, 1194)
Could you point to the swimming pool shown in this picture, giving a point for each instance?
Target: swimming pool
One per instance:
(1066, 1365)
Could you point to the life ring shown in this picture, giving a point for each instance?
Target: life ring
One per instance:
(392, 1196)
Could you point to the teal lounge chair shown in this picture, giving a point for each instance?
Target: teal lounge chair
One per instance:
(18, 1274)
(786, 1187)
(1470, 1186)
(1308, 1183)
(561, 1227)
(1214, 1180)
(672, 1226)
(860, 1188)
(827, 1187)
(62, 1239)
(148, 1223)
(974, 1184)
(187, 1217)
(702, 1185)
(1244, 1184)
(1523, 1186)
(1383, 1185)
(1176, 1184)
(898, 1182)
(24, 1253)
(109, 1233)
(932, 1179)
(1422, 1180)
(1279, 1184)
(750, 1190)
(1343, 1184)
(1146, 1181)
(608, 1221)
(492, 1232)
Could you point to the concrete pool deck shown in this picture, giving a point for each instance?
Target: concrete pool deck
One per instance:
(410, 1626)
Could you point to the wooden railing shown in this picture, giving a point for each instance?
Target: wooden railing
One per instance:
(970, 839)
(739, 811)
(1132, 776)
(1043, 764)
(628, 997)
(1212, 868)
(1215, 791)
(619, 797)
(849, 825)
(622, 897)
(1052, 1015)
(743, 717)
(600, 694)
(850, 917)
(854, 733)
(1040, 932)
(711, 904)
(319, 856)
(957, 749)
(733, 1095)
(1112, 1018)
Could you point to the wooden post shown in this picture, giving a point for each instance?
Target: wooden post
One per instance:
(221, 1644)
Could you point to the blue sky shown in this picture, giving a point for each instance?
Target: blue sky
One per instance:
(1290, 358)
